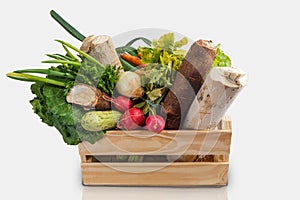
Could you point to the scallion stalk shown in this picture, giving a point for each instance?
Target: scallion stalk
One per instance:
(31, 78)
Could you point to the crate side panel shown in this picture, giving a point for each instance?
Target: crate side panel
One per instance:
(176, 174)
(184, 143)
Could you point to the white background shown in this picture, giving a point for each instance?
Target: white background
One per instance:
(262, 37)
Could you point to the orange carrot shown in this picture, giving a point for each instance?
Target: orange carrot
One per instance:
(132, 59)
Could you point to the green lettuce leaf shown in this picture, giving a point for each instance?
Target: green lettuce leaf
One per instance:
(164, 51)
(167, 42)
(157, 76)
(180, 43)
(221, 60)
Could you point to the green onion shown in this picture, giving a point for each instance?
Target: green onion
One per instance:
(67, 26)
(31, 78)
(57, 57)
(48, 72)
(69, 52)
(147, 41)
(78, 64)
(132, 51)
(65, 57)
(87, 56)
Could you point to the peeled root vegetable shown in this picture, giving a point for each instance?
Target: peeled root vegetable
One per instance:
(88, 97)
(101, 48)
(155, 123)
(132, 119)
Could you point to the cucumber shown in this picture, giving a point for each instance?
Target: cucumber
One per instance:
(100, 120)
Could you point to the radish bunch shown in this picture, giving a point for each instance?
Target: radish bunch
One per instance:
(134, 118)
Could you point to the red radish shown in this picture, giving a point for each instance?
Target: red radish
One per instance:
(121, 103)
(132, 119)
(155, 123)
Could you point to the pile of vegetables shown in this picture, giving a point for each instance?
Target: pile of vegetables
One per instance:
(82, 98)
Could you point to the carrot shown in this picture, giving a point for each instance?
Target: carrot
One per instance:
(132, 59)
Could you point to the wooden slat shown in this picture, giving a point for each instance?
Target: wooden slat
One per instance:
(226, 123)
(82, 150)
(166, 143)
(212, 170)
(175, 174)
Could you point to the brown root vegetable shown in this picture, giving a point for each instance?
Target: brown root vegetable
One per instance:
(188, 81)
(102, 49)
(88, 97)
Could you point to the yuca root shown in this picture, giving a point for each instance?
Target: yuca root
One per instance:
(188, 81)
(88, 97)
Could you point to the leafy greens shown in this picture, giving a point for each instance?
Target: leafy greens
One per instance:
(164, 51)
(51, 106)
(221, 60)
(50, 101)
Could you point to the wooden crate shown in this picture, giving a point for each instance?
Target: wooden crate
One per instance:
(211, 169)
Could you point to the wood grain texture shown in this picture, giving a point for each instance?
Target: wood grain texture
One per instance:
(165, 143)
(175, 174)
(211, 168)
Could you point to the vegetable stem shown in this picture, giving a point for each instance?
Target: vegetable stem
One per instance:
(31, 78)
(69, 52)
(48, 72)
(132, 51)
(70, 29)
(82, 53)
(56, 57)
(66, 57)
(78, 64)
(147, 41)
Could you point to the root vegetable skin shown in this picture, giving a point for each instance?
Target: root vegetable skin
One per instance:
(155, 123)
(219, 90)
(101, 47)
(188, 81)
(132, 119)
(88, 97)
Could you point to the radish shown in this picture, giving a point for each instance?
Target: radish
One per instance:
(155, 123)
(132, 119)
(121, 103)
